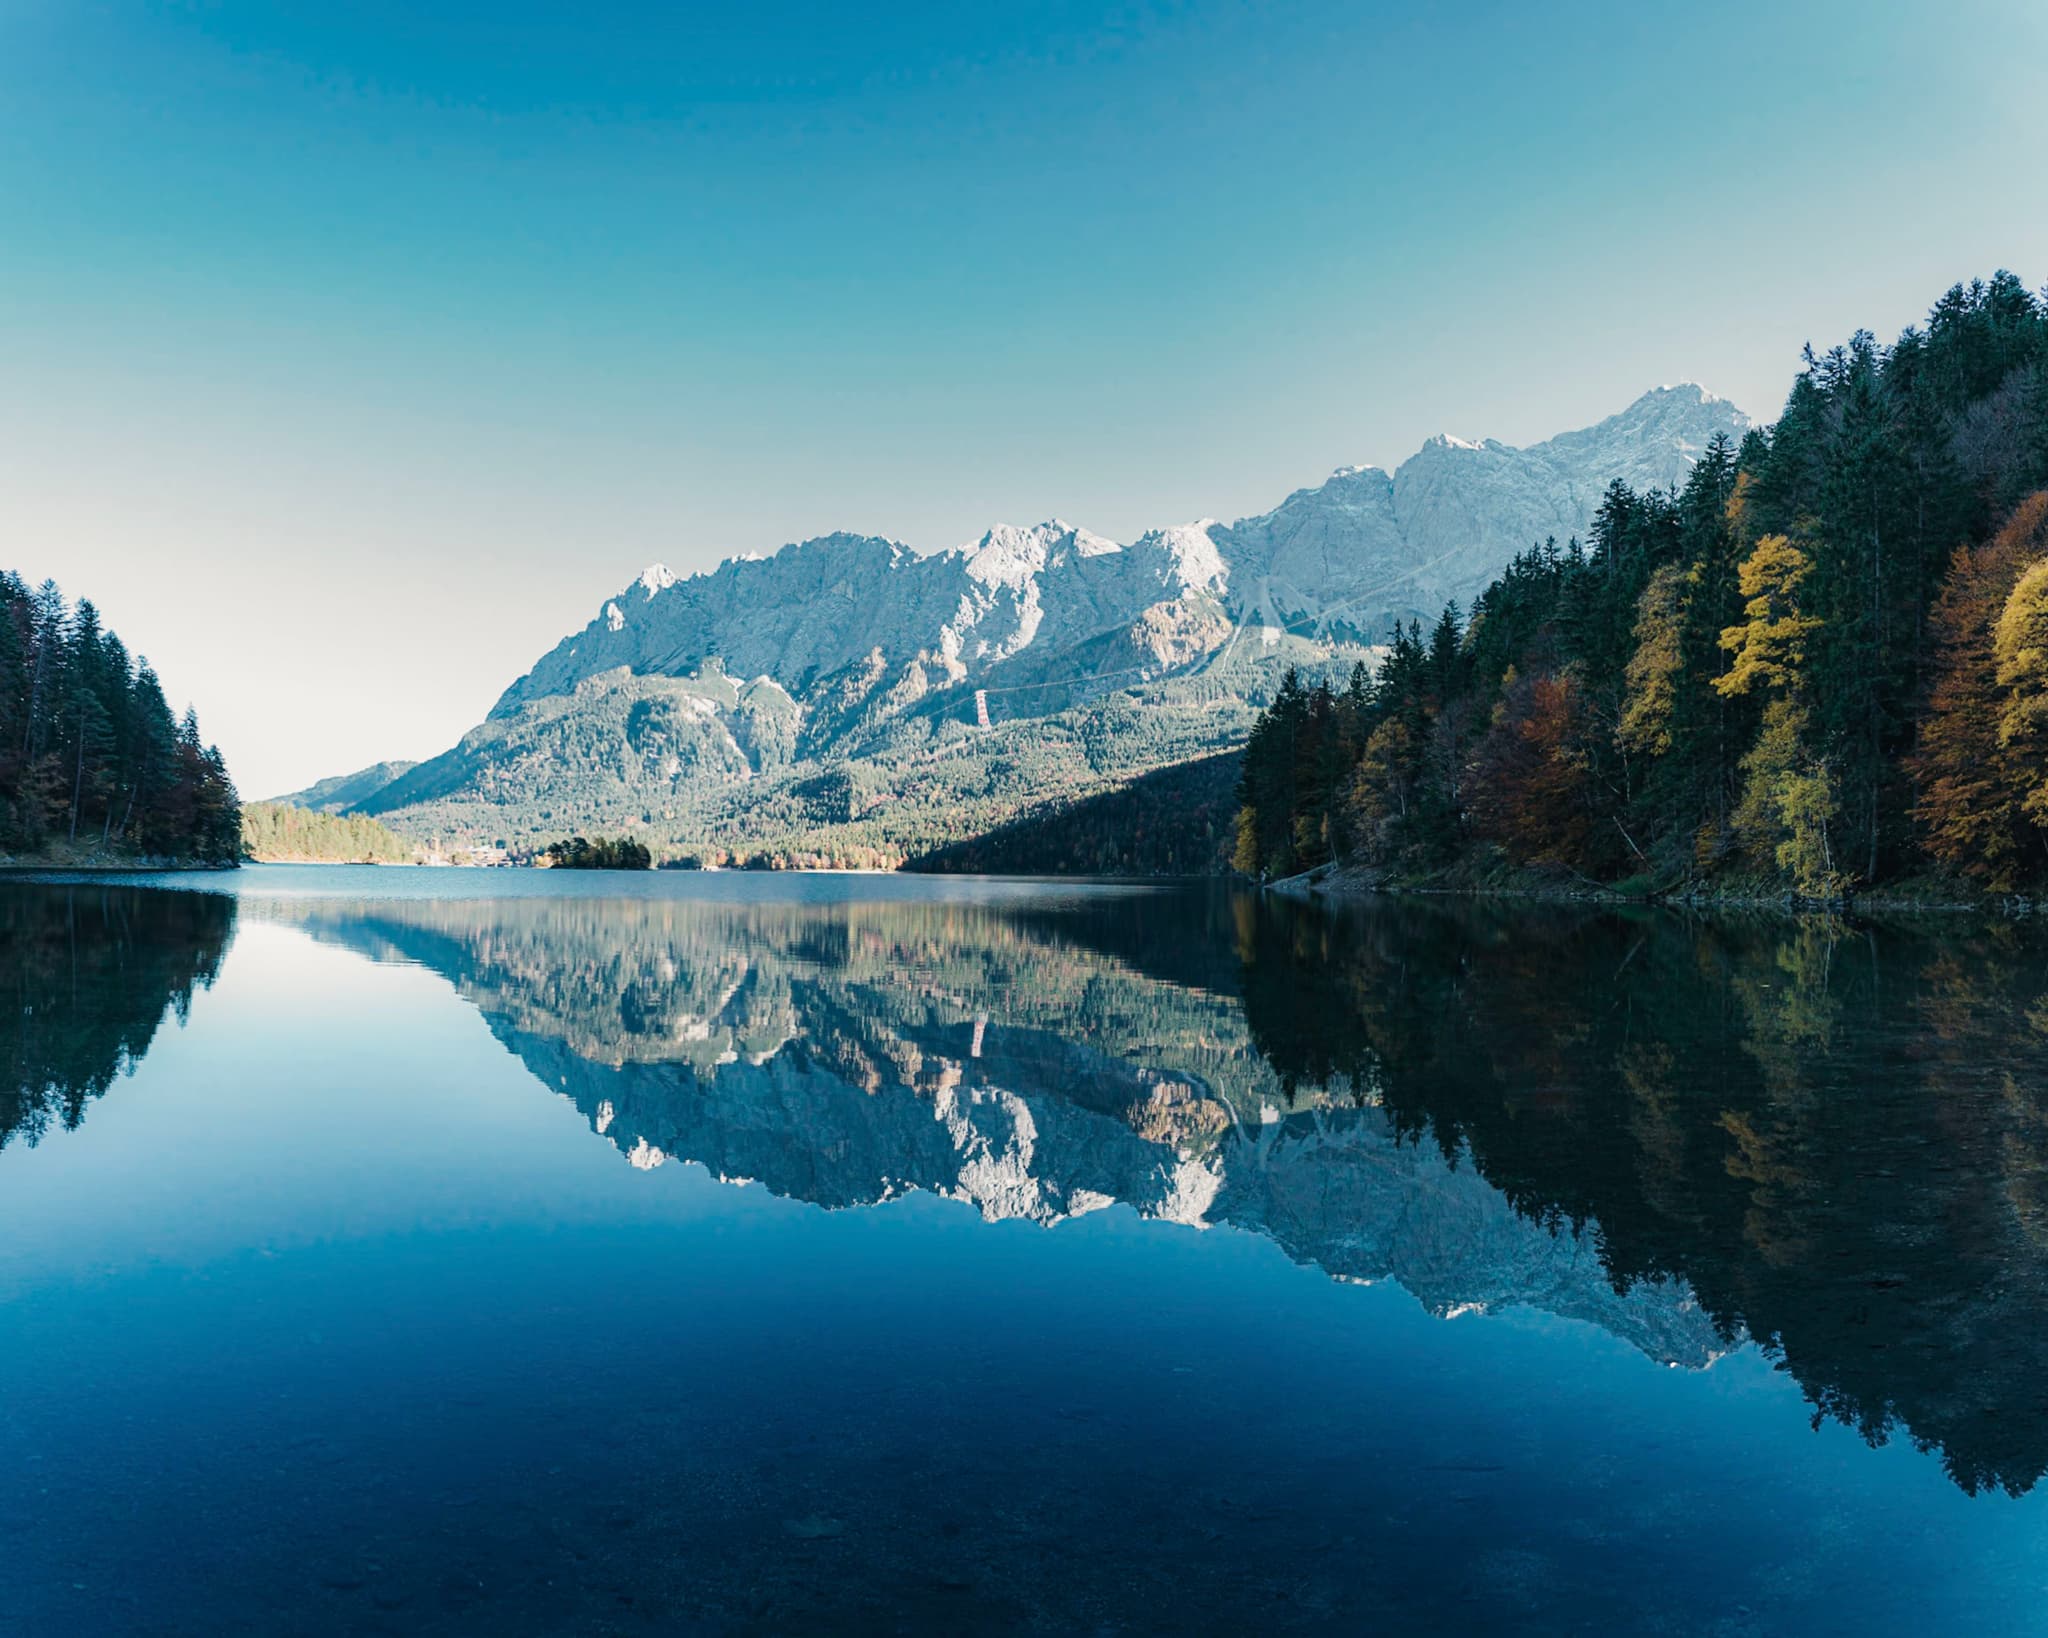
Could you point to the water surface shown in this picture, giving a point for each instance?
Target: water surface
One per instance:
(435, 1252)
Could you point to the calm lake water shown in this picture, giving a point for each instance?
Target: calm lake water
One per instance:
(420, 1252)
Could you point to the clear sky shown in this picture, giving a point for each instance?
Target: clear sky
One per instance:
(350, 355)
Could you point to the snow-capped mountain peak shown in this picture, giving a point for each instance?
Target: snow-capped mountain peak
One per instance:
(1010, 556)
(1191, 551)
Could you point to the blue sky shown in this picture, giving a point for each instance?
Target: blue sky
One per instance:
(363, 349)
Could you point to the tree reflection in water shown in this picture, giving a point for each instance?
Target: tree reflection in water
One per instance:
(89, 973)
(1835, 1133)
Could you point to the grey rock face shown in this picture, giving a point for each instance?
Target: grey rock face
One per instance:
(1364, 547)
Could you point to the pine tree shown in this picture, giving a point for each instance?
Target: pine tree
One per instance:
(89, 753)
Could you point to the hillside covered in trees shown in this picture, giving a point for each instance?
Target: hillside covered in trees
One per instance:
(1819, 665)
(277, 833)
(91, 758)
(1172, 822)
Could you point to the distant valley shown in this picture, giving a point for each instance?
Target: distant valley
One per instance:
(850, 701)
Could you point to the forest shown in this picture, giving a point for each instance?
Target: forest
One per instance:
(91, 758)
(1819, 666)
(276, 832)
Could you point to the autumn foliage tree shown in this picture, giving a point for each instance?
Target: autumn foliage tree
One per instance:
(2021, 648)
(1972, 787)
(1788, 801)
(1530, 775)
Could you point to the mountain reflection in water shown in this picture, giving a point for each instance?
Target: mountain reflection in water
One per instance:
(1826, 1137)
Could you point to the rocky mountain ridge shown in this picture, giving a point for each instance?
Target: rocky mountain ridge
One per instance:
(1363, 548)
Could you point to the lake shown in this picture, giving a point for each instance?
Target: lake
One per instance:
(410, 1251)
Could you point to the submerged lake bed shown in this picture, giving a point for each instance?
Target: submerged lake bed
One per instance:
(435, 1252)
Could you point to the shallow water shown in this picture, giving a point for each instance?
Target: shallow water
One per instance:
(453, 1251)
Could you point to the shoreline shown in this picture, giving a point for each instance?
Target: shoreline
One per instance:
(102, 865)
(1350, 884)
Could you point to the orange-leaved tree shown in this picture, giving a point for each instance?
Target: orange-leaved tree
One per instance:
(1531, 770)
(1972, 784)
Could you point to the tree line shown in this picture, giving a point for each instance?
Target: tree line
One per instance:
(91, 755)
(1819, 664)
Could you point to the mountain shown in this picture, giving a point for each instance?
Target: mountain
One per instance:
(850, 700)
(341, 792)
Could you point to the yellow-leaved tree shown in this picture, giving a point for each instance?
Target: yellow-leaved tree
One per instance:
(2021, 648)
(1770, 645)
(1244, 852)
(1788, 795)
(1376, 795)
(1658, 664)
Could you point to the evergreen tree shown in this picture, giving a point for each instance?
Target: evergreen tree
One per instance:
(89, 753)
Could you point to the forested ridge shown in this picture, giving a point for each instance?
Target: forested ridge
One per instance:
(1171, 822)
(277, 832)
(1820, 665)
(90, 754)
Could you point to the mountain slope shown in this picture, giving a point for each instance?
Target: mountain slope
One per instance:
(850, 699)
(341, 792)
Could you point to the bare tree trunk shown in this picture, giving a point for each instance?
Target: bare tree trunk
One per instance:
(129, 812)
(78, 778)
